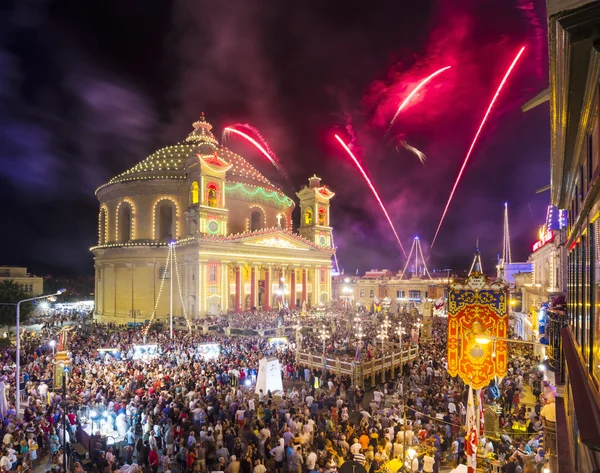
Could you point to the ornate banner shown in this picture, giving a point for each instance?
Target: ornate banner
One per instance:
(477, 316)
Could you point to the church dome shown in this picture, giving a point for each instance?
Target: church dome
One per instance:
(169, 162)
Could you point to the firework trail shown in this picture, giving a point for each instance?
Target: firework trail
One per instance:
(411, 95)
(368, 181)
(485, 117)
(259, 142)
(419, 154)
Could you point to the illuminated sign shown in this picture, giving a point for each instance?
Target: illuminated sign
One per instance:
(144, 352)
(545, 238)
(209, 351)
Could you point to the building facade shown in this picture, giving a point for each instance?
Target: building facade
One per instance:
(400, 292)
(574, 39)
(230, 229)
(30, 284)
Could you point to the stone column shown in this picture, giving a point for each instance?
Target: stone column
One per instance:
(253, 287)
(280, 276)
(202, 289)
(293, 288)
(304, 286)
(238, 289)
(267, 293)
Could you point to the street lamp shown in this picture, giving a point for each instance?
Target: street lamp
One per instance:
(52, 343)
(18, 343)
(383, 335)
(324, 335)
(134, 314)
(298, 334)
(485, 339)
(418, 326)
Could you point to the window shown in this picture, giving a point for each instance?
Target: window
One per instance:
(308, 216)
(322, 216)
(211, 195)
(400, 294)
(414, 295)
(371, 293)
(212, 273)
(582, 186)
(125, 222)
(362, 293)
(256, 220)
(194, 192)
(590, 160)
(584, 311)
(165, 220)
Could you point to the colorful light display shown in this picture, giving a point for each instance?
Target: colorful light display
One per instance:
(412, 94)
(260, 143)
(485, 117)
(419, 154)
(375, 193)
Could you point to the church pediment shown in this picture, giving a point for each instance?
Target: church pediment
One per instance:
(279, 239)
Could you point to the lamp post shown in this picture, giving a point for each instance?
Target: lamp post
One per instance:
(18, 344)
(383, 335)
(400, 332)
(298, 334)
(134, 314)
(324, 335)
(418, 326)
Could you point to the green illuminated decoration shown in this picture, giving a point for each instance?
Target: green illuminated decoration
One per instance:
(258, 192)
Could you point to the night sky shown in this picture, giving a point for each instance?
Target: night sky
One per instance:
(90, 88)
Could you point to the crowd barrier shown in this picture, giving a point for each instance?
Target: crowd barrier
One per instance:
(361, 372)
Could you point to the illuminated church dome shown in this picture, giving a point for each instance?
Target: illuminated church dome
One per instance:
(169, 162)
(222, 213)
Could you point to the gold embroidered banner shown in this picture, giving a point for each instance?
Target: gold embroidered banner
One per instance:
(477, 317)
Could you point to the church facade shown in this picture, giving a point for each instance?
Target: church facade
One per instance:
(227, 228)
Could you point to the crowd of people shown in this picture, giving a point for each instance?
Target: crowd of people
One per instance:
(183, 411)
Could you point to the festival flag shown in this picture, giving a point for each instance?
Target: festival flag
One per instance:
(480, 414)
(439, 303)
(471, 439)
(470, 420)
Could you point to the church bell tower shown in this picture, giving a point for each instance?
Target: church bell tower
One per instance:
(314, 212)
(206, 172)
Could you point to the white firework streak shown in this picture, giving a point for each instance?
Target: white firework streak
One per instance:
(415, 151)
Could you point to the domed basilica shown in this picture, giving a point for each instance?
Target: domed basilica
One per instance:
(231, 229)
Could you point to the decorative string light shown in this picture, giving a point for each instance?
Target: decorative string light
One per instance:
(162, 283)
(187, 319)
(158, 201)
(506, 255)
(262, 211)
(244, 190)
(132, 218)
(103, 225)
(426, 271)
